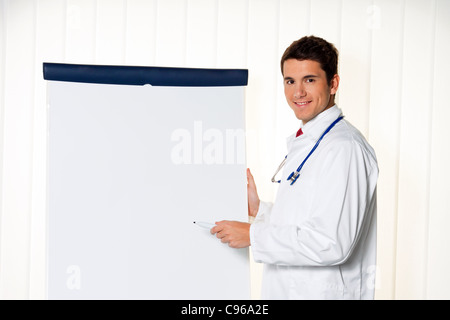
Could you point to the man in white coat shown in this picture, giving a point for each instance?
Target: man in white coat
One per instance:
(318, 239)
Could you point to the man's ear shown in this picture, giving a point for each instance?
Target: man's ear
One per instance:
(334, 85)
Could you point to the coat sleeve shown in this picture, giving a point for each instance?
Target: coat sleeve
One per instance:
(263, 212)
(346, 185)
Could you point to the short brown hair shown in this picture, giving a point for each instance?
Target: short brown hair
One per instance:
(316, 49)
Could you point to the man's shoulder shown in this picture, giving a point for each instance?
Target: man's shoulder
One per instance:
(348, 137)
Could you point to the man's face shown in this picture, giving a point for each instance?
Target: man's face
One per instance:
(306, 88)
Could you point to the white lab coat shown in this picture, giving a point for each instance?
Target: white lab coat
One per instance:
(318, 239)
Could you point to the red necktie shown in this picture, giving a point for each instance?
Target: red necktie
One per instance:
(299, 132)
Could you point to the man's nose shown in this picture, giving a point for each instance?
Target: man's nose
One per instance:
(299, 92)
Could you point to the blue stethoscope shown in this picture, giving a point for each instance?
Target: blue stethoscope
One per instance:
(295, 174)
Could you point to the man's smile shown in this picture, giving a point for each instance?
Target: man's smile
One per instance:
(302, 103)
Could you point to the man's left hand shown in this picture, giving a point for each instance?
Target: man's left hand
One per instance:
(236, 234)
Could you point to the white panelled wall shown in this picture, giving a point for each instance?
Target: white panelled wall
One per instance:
(394, 71)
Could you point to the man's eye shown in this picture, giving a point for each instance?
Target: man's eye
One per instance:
(289, 81)
(310, 80)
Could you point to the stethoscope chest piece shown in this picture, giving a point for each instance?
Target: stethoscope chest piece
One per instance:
(293, 177)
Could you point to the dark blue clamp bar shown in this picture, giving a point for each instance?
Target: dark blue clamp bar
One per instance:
(155, 76)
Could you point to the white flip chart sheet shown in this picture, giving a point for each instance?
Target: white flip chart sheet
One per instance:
(130, 168)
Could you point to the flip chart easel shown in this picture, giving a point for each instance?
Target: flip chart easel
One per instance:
(135, 155)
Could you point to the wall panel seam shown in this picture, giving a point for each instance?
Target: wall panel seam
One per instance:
(186, 31)
(430, 136)
(32, 151)
(398, 142)
(95, 32)
(64, 45)
(247, 7)
(341, 12)
(3, 21)
(216, 33)
(369, 82)
(276, 68)
(125, 29)
(155, 31)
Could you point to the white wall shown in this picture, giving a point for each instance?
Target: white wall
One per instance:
(393, 69)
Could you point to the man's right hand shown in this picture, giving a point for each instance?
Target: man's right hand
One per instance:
(252, 195)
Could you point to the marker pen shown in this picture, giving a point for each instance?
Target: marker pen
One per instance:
(205, 225)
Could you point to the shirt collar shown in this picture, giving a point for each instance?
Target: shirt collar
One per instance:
(316, 126)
